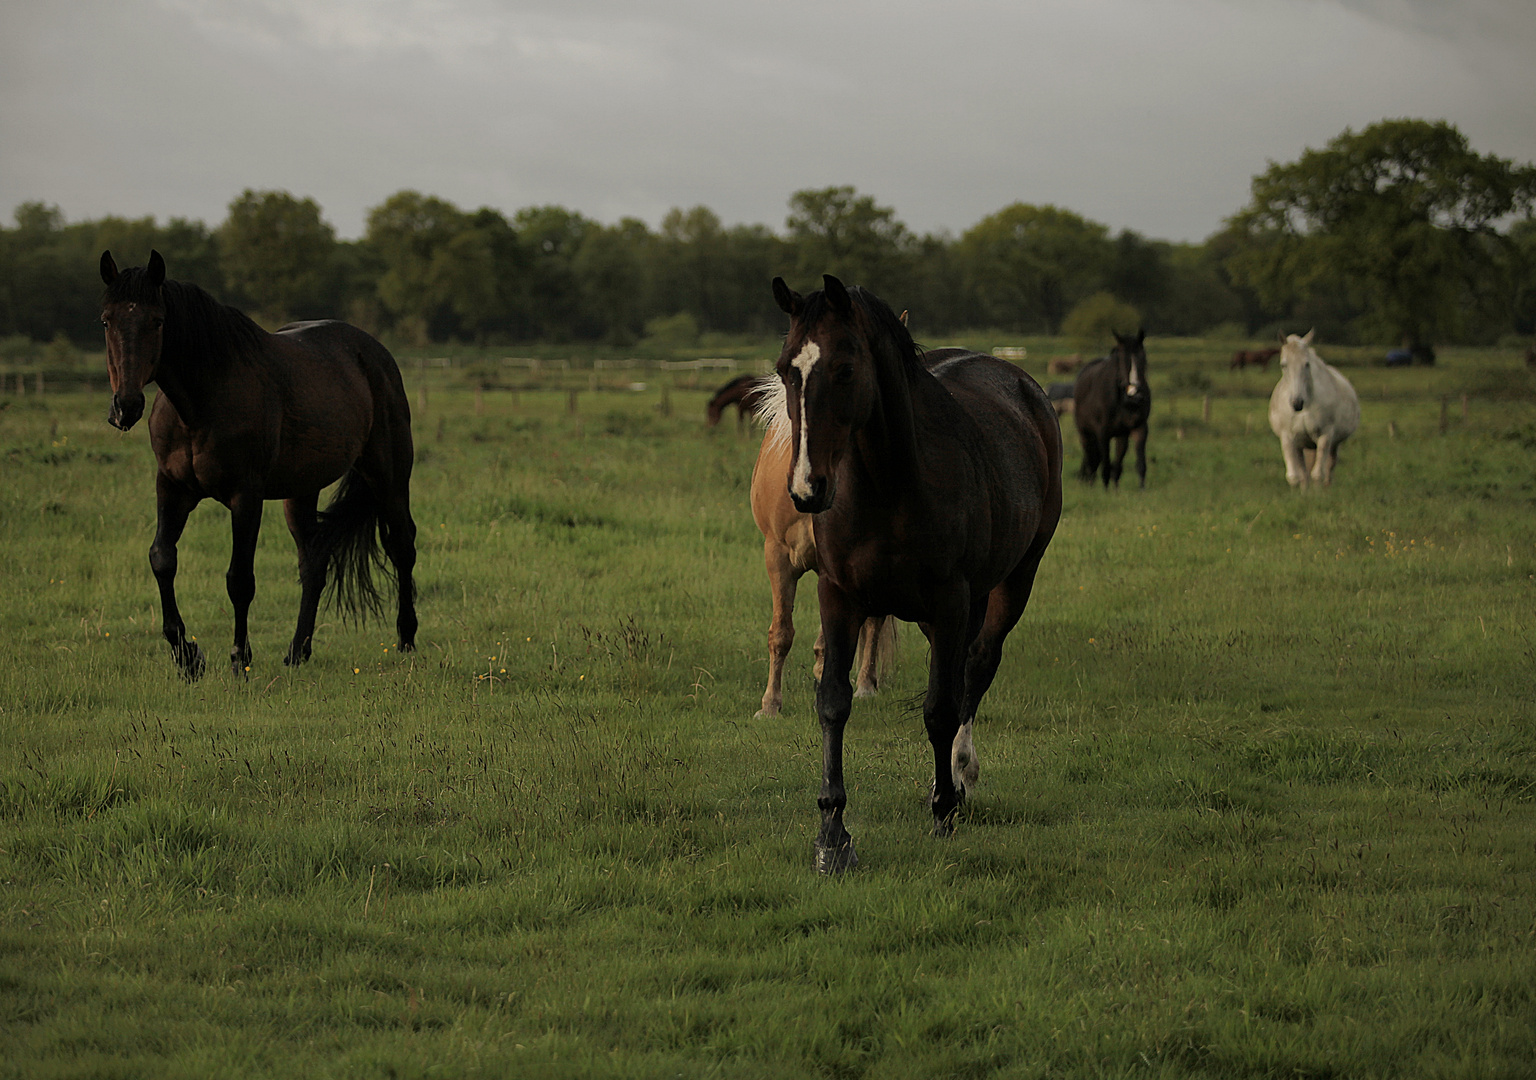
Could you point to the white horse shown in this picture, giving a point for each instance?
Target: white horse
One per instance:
(1313, 410)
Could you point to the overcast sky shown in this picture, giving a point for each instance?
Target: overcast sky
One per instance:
(1151, 115)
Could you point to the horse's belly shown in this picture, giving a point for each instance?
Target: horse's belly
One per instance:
(294, 476)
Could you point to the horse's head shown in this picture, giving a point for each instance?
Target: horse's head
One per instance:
(133, 312)
(831, 375)
(1131, 363)
(1296, 359)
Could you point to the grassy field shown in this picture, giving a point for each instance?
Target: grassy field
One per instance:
(1258, 774)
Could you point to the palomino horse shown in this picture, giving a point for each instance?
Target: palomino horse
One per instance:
(743, 392)
(243, 416)
(1313, 409)
(1111, 402)
(936, 489)
(789, 551)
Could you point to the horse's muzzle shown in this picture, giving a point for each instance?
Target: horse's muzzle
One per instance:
(818, 500)
(1298, 404)
(125, 411)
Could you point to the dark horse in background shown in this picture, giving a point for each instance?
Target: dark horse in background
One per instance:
(1111, 403)
(743, 392)
(935, 481)
(243, 416)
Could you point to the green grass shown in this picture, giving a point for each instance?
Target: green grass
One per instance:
(1258, 774)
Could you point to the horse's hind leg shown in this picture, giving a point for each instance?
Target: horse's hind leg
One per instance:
(173, 504)
(873, 638)
(783, 579)
(240, 580)
(312, 566)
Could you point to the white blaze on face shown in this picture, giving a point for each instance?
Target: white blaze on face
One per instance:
(800, 476)
(1135, 379)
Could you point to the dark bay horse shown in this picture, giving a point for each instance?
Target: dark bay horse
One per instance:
(743, 392)
(1258, 358)
(936, 486)
(243, 416)
(1111, 403)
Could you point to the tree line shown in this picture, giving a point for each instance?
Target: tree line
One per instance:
(1398, 232)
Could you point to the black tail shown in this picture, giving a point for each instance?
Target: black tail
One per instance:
(347, 542)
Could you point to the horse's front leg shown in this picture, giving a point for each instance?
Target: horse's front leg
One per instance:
(782, 581)
(1121, 445)
(1139, 438)
(1295, 462)
(1322, 460)
(173, 504)
(834, 701)
(954, 628)
(240, 580)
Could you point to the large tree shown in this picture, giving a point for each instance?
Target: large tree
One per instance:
(1400, 218)
(1027, 266)
(837, 231)
(278, 251)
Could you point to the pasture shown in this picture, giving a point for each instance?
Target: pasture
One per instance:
(1258, 787)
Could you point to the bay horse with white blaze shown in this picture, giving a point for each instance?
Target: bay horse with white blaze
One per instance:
(1111, 402)
(936, 489)
(1313, 409)
(789, 552)
(243, 416)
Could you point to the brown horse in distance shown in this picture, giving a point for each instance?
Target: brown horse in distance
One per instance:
(1258, 358)
(743, 392)
(789, 551)
(936, 485)
(244, 416)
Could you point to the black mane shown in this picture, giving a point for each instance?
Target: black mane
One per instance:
(197, 326)
(887, 326)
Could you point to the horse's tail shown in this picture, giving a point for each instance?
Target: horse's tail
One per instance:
(346, 540)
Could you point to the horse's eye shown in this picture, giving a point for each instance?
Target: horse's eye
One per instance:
(843, 374)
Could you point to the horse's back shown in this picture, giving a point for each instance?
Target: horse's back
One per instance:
(1016, 432)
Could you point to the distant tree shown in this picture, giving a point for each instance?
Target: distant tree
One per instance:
(837, 231)
(279, 253)
(1093, 322)
(1027, 266)
(1400, 218)
(612, 267)
(407, 232)
(550, 237)
(49, 281)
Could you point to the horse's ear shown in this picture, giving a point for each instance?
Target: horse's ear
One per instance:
(108, 268)
(1141, 335)
(154, 273)
(1307, 340)
(790, 302)
(903, 316)
(837, 294)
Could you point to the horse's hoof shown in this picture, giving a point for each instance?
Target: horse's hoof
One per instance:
(835, 858)
(765, 713)
(407, 646)
(864, 691)
(191, 661)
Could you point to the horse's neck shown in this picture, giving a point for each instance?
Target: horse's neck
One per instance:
(886, 446)
(188, 375)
